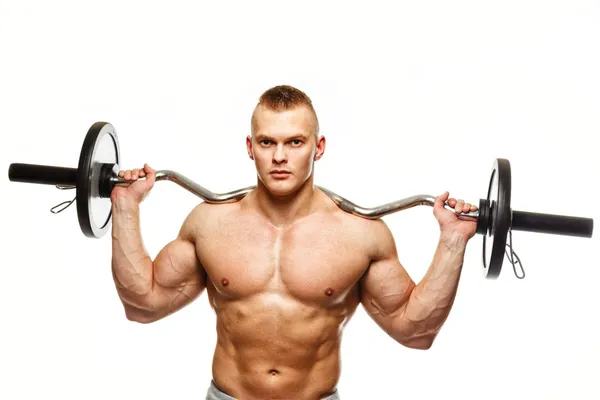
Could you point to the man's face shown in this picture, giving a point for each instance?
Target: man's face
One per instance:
(284, 148)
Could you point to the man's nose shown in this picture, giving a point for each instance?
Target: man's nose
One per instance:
(280, 154)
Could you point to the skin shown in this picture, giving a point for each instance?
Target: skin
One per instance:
(284, 269)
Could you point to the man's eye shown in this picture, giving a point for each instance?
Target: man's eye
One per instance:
(296, 142)
(265, 142)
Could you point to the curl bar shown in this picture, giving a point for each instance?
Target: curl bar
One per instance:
(96, 176)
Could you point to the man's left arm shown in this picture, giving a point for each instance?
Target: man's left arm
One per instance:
(410, 313)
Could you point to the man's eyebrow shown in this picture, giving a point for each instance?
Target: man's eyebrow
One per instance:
(298, 136)
(262, 136)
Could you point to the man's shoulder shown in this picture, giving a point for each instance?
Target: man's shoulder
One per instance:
(356, 222)
(372, 233)
(205, 216)
(375, 229)
(207, 212)
(373, 236)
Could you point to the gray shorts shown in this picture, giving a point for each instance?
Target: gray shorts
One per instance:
(215, 394)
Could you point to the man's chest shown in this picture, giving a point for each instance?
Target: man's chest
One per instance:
(310, 261)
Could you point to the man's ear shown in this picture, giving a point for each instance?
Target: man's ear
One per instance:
(321, 144)
(249, 147)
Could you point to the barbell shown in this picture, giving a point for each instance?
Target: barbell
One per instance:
(97, 174)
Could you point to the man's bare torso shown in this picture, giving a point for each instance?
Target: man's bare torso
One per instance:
(281, 295)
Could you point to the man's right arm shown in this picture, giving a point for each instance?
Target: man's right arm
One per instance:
(151, 290)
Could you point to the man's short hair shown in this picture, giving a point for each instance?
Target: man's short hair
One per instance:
(282, 98)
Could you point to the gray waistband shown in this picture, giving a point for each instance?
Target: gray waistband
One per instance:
(215, 394)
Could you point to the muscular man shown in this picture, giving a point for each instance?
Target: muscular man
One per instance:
(284, 268)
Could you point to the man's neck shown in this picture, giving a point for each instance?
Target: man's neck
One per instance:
(285, 210)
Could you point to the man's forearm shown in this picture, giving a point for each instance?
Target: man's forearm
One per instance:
(430, 301)
(131, 264)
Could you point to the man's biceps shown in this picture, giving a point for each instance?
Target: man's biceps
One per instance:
(388, 268)
(182, 250)
(176, 263)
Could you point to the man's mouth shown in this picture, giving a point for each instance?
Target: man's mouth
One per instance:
(279, 173)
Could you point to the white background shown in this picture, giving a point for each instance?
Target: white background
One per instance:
(413, 97)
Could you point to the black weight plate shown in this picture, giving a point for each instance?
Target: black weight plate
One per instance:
(100, 146)
(494, 240)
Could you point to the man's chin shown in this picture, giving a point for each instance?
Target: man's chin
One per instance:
(281, 188)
